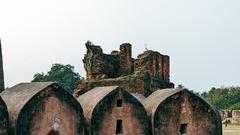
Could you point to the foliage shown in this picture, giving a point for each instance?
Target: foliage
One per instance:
(235, 106)
(224, 97)
(221, 98)
(64, 75)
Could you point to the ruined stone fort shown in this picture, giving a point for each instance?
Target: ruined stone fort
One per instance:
(143, 75)
(120, 96)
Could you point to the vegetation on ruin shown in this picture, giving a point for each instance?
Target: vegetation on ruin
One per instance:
(64, 75)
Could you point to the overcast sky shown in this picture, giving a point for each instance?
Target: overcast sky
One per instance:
(202, 37)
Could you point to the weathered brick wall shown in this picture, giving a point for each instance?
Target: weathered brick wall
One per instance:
(126, 61)
(166, 68)
(155, 63)
(120, 63)
(99, 65)
(132, 84)
(179, 110)
(56, 116)
(133, 116)
(142, 84)
(236, 117)
(148, 61)
(51, 111)
(233, 116)
(225, 114)
(149, 72)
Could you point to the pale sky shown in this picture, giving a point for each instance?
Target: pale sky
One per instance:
(202, 37)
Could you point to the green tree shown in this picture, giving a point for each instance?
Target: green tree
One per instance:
(221, 98)
(64, 75)
(224, 97)
(235, 106)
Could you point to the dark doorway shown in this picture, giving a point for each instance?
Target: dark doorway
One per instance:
(119, 103)
(119, 127)
(183, 129)
(53, 132)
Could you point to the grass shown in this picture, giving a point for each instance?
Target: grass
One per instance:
(231, 130)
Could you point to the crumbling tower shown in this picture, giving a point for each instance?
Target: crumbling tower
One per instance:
(1, 70)
(126, 61)
(145, 74)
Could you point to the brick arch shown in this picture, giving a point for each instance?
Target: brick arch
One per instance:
(38, 104)
(113, 110)
(49, 105)
(131, 115)
(185, 112)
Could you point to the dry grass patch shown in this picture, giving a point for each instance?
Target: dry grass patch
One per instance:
(231, 130)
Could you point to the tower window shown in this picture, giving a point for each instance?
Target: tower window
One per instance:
(183, 129)
(119, 127)
(119, 103)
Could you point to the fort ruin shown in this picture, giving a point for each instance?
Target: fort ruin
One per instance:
(121, 96)
(148, 72)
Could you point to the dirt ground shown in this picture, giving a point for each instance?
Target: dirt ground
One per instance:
(231, 130)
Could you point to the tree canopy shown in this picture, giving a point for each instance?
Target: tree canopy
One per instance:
(224, 97)
(221, 98)
(64, 75)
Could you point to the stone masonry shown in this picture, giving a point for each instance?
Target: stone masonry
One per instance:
(145, 74)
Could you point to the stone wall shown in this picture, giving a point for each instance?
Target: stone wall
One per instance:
(230, 116)
(166, 68)
(236, 117)
(149, 72)
(120, 63)
(154, 63)
(174, 112)
(126, 60)
(99, 65)
(226, 114)
(134, 84)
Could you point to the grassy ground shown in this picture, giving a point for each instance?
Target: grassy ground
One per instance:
(231, 130)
